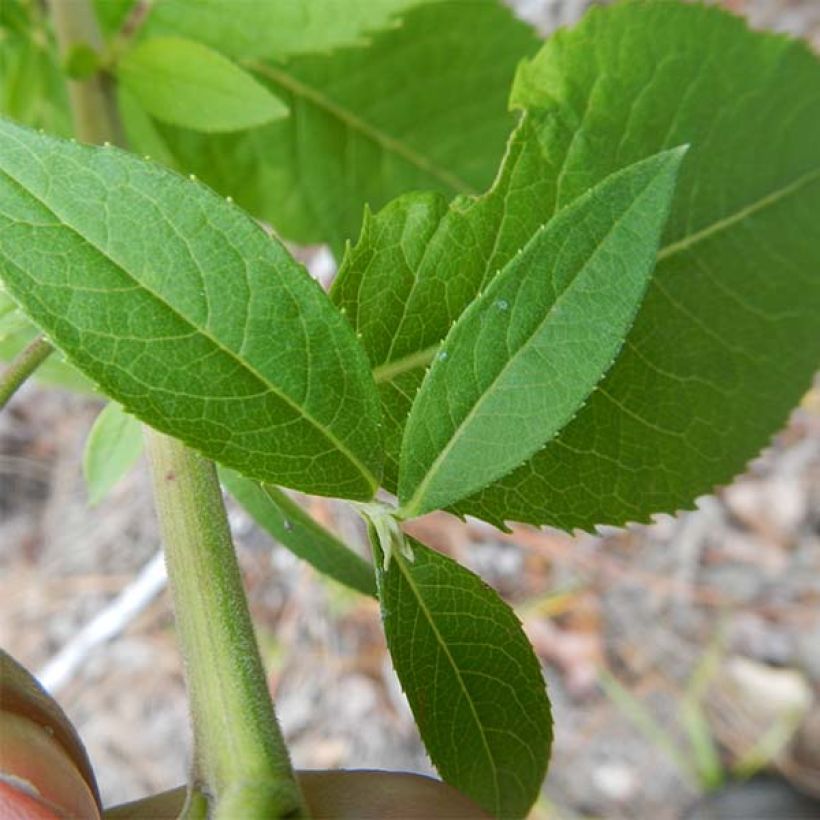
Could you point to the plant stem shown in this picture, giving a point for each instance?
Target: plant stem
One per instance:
(240, 753)
(26, 362)
(93, 108)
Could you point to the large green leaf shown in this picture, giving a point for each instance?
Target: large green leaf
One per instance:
(187, 313)
(726, 339)
(471, 678)
(184, 83)
(523, 358)
(295, 530)
(423, 106)
(275, 28)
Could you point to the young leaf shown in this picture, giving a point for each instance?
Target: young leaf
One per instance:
(726, 339)
(112, 448)
(419, 263)
(470, 675)
(184, 83)
(422, 106)
(275, 28)
(187, 313)
(294, 529)
(525, 356)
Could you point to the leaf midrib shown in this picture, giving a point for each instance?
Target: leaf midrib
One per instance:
(356, 123)
(400, 562)
(412, 361)
(364, 471)
(741, 214)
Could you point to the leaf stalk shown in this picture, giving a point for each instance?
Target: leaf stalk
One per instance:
(27, 361)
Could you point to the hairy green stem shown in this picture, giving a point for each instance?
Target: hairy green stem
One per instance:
(22, 367)
(93, 108)
(240, 754)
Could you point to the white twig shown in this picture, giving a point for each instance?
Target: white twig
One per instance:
(106, 624)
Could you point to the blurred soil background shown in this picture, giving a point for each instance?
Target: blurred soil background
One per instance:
(677, 655)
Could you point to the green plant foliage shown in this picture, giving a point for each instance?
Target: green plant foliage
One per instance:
(141, 130)
(11, 320)
(523, 358)
(471, 677)
(112, 448)
(186, 313)
(423, 106)
(726, 339)
(184, 83)
(112, 14)
(418, 264)
(81, 62)
(275, 28)
(295, 530)
(32, 89)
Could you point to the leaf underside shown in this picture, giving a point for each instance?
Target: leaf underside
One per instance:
(183, 310)
(726, 340)
(471, 678)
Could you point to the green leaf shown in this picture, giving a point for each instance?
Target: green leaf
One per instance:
(112, 448)
(184, 83)
(418, 264)
(112, 14)
(470, 675)
(140, 130)
(726, 339)
(525, 356)
(295, 530)
(187, 313)
(11, 320)
(275, 28)
(81, 62)
(423, 106)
